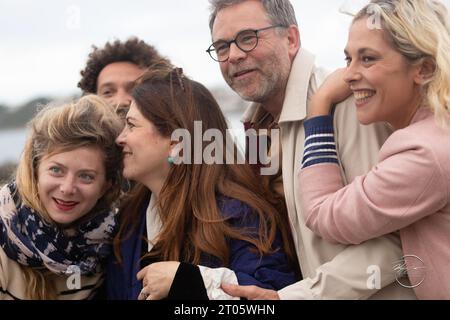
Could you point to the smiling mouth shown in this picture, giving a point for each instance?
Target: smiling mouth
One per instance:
(65, 205)
(242, 73)
(363, 96)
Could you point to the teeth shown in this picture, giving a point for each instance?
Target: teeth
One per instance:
(360, 95)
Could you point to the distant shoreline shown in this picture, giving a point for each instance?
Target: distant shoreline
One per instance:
(12, 142)
(6, 172)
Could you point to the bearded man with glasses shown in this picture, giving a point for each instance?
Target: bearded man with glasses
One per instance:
(257, 46)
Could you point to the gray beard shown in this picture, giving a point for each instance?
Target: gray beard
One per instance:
(261, 94)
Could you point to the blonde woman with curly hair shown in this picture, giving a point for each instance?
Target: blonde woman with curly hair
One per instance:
(56, 217)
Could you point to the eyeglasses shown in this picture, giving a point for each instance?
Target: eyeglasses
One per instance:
(246, 40)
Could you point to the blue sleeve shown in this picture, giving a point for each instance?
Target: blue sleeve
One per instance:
(271, 271)
(320, 146)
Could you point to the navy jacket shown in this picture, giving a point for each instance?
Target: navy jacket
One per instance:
(269, 271)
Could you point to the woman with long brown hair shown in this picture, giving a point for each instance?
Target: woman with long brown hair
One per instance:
(202, 223)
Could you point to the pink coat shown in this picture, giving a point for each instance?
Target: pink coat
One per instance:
(408, 190)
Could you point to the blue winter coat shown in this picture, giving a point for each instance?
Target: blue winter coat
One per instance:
(269, 271)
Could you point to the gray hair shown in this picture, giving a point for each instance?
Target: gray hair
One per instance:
(280, 12)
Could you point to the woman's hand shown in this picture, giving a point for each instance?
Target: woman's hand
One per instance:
(332, 91)
(249, 292)
(157, 279)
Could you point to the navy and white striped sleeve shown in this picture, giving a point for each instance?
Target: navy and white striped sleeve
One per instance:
(320, 146)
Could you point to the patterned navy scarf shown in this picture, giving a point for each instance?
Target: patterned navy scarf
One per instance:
(28, 239)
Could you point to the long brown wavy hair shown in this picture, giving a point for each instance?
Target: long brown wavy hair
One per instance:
(192, 223)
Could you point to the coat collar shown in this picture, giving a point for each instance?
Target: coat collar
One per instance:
(294, 105)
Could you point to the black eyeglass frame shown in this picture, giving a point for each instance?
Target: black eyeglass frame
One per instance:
(211, 48)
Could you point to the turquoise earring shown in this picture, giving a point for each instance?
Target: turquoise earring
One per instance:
(170, 160)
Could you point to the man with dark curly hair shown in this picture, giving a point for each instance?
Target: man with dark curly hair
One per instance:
(111, 71)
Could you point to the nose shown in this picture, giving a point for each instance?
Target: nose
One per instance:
(352, 73)
(67, 187)
(121, 100)
(236, 54)
(120, 140)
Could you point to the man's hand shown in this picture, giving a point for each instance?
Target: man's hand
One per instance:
(249, 292)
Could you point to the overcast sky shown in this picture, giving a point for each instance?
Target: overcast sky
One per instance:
(44, 44)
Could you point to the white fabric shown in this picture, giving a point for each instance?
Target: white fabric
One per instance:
(213, 278)
(153, 223)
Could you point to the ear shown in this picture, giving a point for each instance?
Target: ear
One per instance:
(294, 41)
(425, 71)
